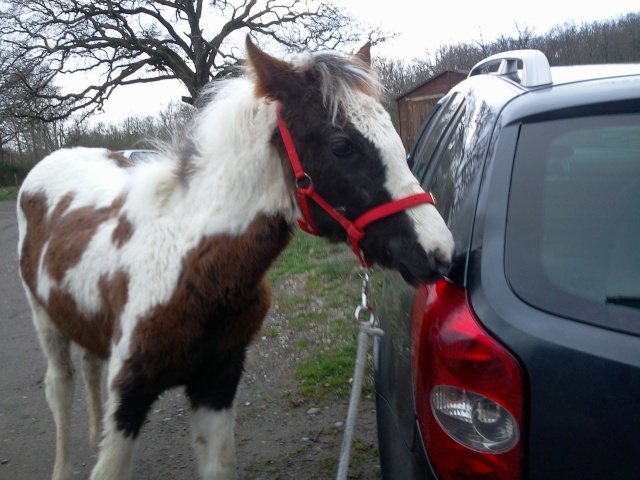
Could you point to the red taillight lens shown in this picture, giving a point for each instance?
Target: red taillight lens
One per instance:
(468, 389)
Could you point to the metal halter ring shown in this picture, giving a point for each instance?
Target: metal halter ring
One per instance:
(372, 316)
(300, 182)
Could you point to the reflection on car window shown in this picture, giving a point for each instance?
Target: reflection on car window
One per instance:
(432, 136)
(442, 185)
(573, 237)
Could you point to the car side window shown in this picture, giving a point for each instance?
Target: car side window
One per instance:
(432, 136)
(442, 184)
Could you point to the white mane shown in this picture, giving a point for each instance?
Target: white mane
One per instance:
(227, 165)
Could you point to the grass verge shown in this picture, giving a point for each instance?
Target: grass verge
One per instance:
(8, 193)
(327, 282)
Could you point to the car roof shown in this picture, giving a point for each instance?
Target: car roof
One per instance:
(524, 85)
(569, 74)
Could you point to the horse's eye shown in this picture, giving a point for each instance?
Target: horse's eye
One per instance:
(342, 147)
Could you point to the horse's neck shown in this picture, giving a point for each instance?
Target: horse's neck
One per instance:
(238, 174)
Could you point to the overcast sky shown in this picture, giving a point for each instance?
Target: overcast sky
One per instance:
(424, 25)
(421, 27)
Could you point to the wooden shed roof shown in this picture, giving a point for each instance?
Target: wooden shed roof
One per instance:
(414, 105)
(433, 79)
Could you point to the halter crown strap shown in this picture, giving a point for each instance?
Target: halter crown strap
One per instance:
(355, 229)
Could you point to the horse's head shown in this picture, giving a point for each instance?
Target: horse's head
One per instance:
(351, 158)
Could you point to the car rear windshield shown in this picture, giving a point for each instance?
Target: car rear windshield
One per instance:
(573, 232)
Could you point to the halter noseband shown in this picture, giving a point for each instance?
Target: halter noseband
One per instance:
(355, 229)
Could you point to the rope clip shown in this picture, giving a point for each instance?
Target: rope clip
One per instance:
(369, 326)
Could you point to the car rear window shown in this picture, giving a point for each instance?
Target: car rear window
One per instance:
(573, 231)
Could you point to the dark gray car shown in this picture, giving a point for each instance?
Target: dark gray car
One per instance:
(525, 361)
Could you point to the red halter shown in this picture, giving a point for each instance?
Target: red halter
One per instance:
(355, 229)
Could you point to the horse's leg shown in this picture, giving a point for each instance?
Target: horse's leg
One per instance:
(212, 394)
(212, 436)
(92, 368)
(129, 397)
(59, 385)
(116, 448)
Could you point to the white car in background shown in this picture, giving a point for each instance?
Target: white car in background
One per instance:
(139, 155)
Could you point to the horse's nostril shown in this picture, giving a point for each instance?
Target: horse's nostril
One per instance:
(440, 255)
(388, 254)
(441, 261)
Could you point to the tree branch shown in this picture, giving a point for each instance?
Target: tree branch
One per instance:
(142, 41)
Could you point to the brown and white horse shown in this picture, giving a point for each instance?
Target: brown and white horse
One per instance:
(159, 268)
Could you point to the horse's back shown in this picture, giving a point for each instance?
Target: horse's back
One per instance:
(91, 175)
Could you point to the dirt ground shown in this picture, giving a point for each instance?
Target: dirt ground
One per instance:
(278, 434)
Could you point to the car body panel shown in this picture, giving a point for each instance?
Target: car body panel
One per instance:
(582, 380)
(396, 387)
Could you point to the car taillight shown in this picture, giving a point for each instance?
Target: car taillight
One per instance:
(468, 389)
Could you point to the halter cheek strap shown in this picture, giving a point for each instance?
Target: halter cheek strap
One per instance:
(355, 229)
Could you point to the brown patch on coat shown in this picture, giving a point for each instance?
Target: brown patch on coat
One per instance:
(70, 235)
(94, 331)
(222, 288)
(123, 231)
(114, 293)
(67, 234)
(35, 208)
(119, 159)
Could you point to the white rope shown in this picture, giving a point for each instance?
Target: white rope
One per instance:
(365, 330)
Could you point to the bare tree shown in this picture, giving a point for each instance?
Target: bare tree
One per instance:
(21, 131)
(173, 119)
(141, 41)
(461, 56)
(525, 39)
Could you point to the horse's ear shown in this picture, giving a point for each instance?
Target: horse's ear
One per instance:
(274, 76)
(364, 54)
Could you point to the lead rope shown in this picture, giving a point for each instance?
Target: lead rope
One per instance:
(366, 328)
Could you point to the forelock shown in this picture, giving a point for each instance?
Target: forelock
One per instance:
(341, 79)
